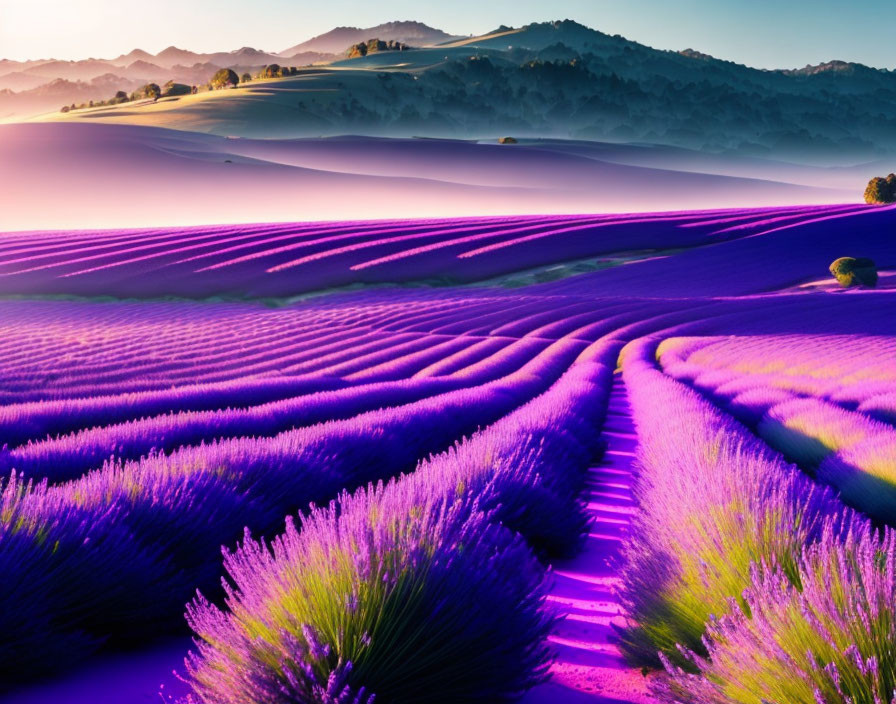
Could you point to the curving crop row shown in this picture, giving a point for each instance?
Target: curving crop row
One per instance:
(33, 420)
(715, 501)
(177, 510)
(399, 590)
(846, 369)
(70, 456)
(283, 260)
(785, 400)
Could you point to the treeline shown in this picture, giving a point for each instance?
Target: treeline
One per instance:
(372, 46)
(277, 71)
(150, 91)
(223, 78)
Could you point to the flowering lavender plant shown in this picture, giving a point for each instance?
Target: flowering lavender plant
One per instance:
(714, 501)
(823, 638)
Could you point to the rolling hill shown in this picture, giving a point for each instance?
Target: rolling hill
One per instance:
(553, 79)
(100, 175)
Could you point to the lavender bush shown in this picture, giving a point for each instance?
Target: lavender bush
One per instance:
(823, 638)
(406, 590)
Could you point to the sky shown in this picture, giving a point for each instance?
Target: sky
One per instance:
(761, 33)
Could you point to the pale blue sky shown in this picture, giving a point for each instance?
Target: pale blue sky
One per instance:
(763, 33)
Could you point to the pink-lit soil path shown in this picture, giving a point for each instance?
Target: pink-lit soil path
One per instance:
(590, 668)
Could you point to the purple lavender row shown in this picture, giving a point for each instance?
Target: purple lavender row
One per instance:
(715, 501)
(33, 420)
(70, 456)
(846, 450)
(135, 347)
(740, 263)
(115, 554)
(813, 625)
(420, 590)
(264, 262)
(847, 369)
(158, 369)
(161, 355)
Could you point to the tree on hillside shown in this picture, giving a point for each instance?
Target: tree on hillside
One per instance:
(224, 78)
(246, 77)
(270, 71)
(172, 89)
(150, 90)
(881, 190)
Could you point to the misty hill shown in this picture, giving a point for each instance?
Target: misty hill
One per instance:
(100, 175)
(552, 79)
(841, 67)
(131, 57)
(336, 40)
(32, 87)
(247, 56)
(540, 35)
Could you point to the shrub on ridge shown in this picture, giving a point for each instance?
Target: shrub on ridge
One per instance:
(225, 78)
(851, 271)
(881, 190)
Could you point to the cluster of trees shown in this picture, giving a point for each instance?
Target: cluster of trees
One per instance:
(150, 91)
(223, 78)
(881, 190)
(371, 46)
(118, 98)
(277, 71)
(228, 78)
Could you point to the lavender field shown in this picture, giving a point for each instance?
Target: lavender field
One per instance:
(589, 459)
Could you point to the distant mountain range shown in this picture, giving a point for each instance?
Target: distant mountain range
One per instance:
(559, 79)
(32, 87)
